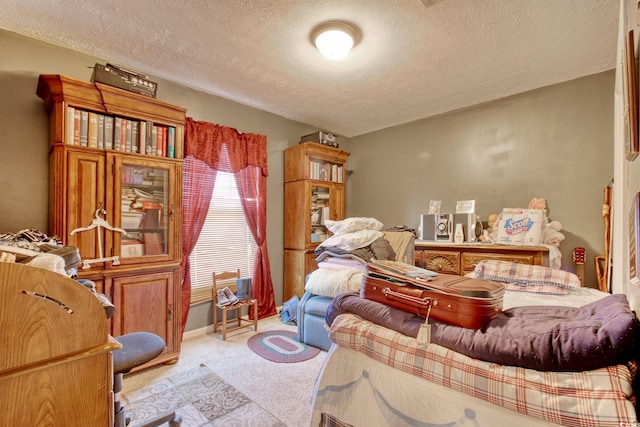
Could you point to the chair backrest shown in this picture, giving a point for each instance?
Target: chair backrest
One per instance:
(224, 277)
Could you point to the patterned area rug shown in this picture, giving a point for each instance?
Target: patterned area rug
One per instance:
(281, 346)
(202, 397)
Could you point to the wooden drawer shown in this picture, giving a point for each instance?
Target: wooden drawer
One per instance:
(441, 261)
(471, 259)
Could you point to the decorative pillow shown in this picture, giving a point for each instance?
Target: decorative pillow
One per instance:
(349, 225)
(351, 241)
(329, 283)
(527, 278)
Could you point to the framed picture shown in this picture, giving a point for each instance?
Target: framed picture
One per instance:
(630, 96)
(634, 241)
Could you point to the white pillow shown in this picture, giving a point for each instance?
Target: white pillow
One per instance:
(330, 283)
(349, 225)
(351, 241)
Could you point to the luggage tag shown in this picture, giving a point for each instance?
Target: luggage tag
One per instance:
(424, 333)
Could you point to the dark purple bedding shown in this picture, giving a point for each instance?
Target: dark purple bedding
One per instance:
(545, 338)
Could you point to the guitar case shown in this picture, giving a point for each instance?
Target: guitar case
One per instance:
(461, 301)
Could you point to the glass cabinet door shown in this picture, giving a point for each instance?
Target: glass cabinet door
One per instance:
(144, 204)
(321, 202)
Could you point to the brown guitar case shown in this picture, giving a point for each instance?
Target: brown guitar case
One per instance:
(461, 301)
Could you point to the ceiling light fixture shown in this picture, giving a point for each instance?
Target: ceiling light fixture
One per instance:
(335, 39)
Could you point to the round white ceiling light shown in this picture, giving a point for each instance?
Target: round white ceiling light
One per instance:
(335, 39)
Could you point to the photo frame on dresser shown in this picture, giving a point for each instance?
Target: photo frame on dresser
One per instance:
(634, 241)
(630, 98)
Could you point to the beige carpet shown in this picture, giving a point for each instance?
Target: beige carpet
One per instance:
(224, 383)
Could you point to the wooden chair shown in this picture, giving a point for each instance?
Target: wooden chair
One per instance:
(225, 276)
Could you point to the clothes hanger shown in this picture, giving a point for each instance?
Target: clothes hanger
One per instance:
(99, 222)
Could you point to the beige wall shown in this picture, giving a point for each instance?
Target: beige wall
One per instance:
(555, 142)
(24, 140)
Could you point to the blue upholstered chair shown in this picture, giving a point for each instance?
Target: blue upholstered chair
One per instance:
(312, 309)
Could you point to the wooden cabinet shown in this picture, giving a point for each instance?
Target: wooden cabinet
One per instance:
(55, 353)
(462, 258)
(313, 192)
(118, 200)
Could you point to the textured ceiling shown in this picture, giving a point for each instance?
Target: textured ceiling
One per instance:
(416, 58)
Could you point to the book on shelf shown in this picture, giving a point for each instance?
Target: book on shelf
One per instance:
(162, 141)
(147, 144)
(69, 125)
(171, 143)
(117, 134)
(135, 142)
(92, 130)
(108, 132)
(128, 135)
(151, 148)
(77, 119)
(142, 137)
(151, 205)
(84, 128)
(101, 131)
(123, 135)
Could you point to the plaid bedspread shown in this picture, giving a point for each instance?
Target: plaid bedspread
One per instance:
(601, 397)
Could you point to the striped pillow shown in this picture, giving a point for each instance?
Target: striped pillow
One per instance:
(527, 278)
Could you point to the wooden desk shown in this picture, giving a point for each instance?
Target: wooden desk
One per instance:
(462, 258)
(55, 352)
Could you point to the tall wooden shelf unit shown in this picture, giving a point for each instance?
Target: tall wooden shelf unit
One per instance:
(139, 193)
(314, 181)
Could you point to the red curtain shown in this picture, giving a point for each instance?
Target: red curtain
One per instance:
(252, 186)
(198, 180)
(246, 158)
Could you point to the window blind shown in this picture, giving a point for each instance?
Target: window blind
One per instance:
(225, 242)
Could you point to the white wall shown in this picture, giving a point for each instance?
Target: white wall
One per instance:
(627, 174)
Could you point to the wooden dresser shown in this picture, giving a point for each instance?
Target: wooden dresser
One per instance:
(462, 258)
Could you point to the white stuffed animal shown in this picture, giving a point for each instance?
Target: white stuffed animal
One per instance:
(552, 235)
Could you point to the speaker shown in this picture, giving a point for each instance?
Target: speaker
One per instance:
(471, 226)
(427, 227)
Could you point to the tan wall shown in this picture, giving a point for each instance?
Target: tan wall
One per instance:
(555, 142)
(24, 140)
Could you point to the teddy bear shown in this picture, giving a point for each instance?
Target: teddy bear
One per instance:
(551, 234)
(538, 203)
(491, 233)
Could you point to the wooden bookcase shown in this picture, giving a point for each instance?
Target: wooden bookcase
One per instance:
(138, 193)
(314, 181)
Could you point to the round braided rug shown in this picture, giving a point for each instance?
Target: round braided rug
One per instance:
(281, 346)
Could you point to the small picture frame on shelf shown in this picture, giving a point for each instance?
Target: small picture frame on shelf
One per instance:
(630, 99)
(434, 206)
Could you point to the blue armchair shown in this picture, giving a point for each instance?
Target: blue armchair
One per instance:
(312, 309)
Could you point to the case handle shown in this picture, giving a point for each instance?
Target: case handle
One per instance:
(413, 301)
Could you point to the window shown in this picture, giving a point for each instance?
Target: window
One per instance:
(225, 242)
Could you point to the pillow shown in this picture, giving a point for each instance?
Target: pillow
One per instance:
(351, 241)
(329, 283)
(349, 225)
(527, 278)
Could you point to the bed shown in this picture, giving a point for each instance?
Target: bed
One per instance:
(377, 376)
